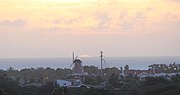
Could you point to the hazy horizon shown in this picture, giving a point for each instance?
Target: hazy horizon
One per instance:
(82, 57)
(56, 28)
(134, 62)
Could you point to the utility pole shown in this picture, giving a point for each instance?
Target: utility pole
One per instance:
(101, 57)
(25, 79)
(42, 80)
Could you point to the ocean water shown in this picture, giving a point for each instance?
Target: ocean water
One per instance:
(140, 63)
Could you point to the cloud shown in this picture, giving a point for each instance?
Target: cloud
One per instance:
(171, 16)
(73, 20)
(177, 1)
(57, 21)
(53, 29)
(57, 29)
(123, 14)
(130, 23)
(109, 2)
(126, 26)
(140, 15)
(104, 20)
(150, 9)
(15, 23)
(67, 21)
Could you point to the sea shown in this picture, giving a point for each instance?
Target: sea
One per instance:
(138, 63)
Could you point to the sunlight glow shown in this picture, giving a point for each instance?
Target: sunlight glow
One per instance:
(85, 56)
(66, 1)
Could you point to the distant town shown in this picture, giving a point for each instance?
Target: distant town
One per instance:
(85, 80)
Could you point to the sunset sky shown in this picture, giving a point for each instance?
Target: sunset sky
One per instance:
(56, 28)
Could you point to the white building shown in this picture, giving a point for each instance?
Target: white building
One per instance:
(68, 83)
(63, 83)
(166, 75)
(143, 75)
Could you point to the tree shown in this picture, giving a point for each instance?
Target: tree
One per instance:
(114, 80)
(159, 86)
(126, 67)
(8, 86)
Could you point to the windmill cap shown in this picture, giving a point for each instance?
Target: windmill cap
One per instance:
(77, 60)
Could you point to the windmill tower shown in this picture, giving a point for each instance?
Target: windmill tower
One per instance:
(77, 67)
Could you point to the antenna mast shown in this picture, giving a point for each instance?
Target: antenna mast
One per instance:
(73, 57)
(101, 57)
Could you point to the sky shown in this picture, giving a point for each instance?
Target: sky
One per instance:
(56, 28)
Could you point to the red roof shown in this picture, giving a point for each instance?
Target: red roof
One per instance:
(136, 72)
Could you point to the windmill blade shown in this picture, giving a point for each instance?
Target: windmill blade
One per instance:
(71, 64)
(72, 59)
(76, 57)
(73, 55)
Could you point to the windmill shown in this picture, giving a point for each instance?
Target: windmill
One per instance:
(77, 67)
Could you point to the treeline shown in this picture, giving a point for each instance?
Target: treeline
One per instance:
(166, 68)
(116, 86)
(40, 74)
(12, 82)
(133, 86)
(11, 79)
(51, 74)
(12, 87)
(7, 86)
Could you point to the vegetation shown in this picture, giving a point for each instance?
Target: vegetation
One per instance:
(150, 86)
(158, 68)
(9, 86)
(161, 86)
(49, 74)
(12, 82)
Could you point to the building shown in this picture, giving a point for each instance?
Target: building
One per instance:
(142, 74)
(137, 72)
(63, 83)
(70, 83)
(78, 70)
